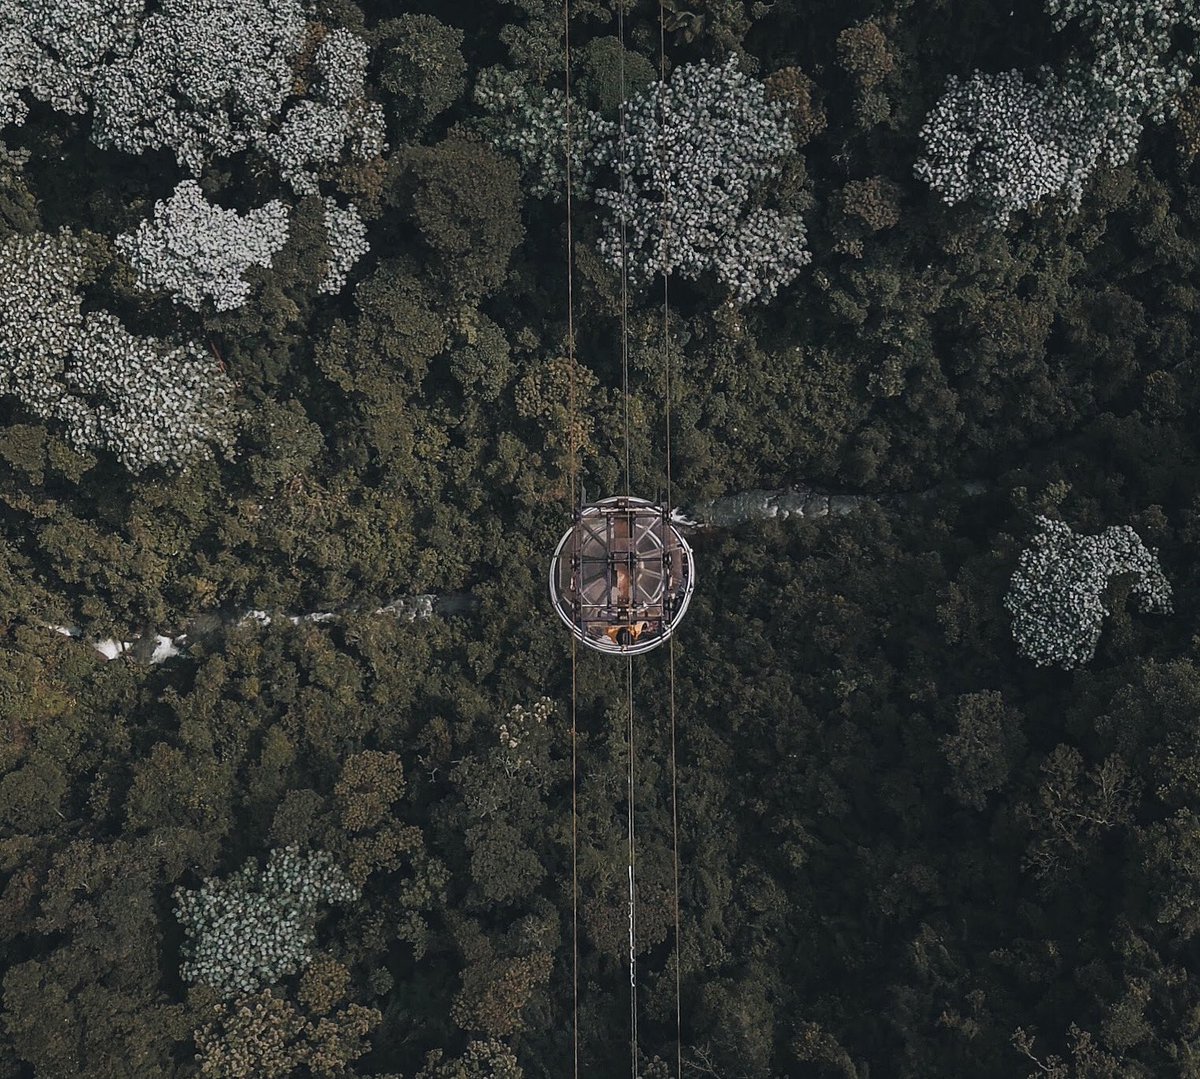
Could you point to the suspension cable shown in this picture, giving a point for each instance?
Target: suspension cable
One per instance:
(629, 662)
(632, 883)
(573, 465)
(574, 868)
(666, 351)
(624, 242)
(572, 422)
(675, 864)
(662, 60)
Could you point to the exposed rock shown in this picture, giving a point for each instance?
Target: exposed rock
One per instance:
(801, 501)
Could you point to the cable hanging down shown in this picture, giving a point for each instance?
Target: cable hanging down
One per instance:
(613, 528)
(633, 1026)
(573, 465)
(666, 353)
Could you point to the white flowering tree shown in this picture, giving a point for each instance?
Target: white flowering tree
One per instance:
(1130, 54)
(347, 236)
(533, 126)
(200, 78)
(697, 147)
(1056, 596)
(204, 77)
(1008, 143)
(199, 251)
(55, 51)
(341, 67)
(259, 924)
(696, 150)
(314, 134)
(336, 120)
(18, 62)
(525, 737)
(146, 401)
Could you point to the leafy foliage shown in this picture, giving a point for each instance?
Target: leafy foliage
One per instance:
(58, 52)
(1058, 589)
(248, 930)
(1009, 143)
(146, 402)
(262, 1037)
(903, 847)
(197, 251)
(691, 152)
(1130, 52)
(347, 237)
(471, 231)
(228, 60)
(424, 72)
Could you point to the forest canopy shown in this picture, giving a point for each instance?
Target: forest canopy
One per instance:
(314, 320)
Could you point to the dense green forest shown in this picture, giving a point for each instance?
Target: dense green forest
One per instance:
(284, 328)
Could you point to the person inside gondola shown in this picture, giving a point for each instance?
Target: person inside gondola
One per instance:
(626, 632)
(622, 587)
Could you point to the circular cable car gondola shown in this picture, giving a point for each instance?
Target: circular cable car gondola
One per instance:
(622, 576)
